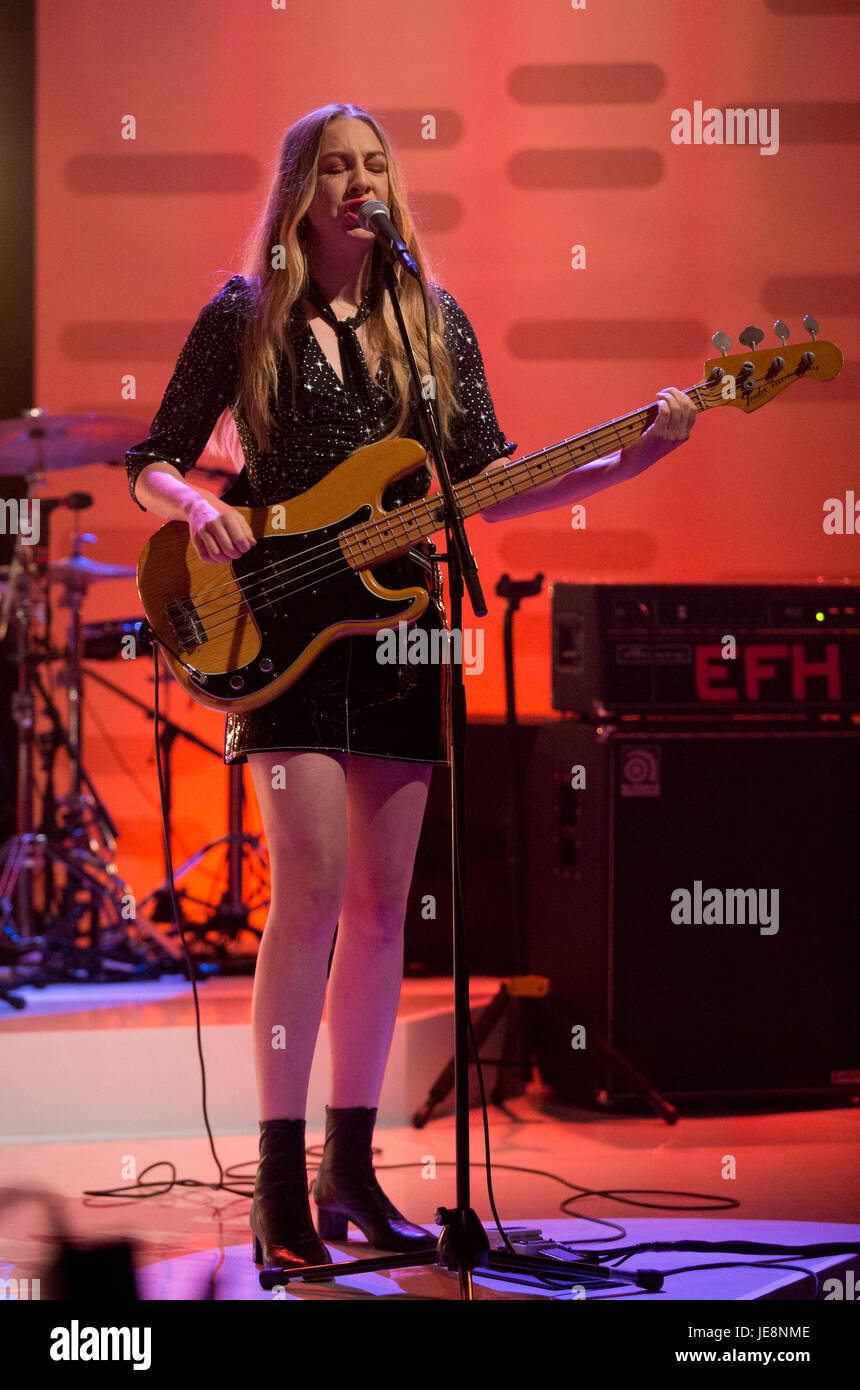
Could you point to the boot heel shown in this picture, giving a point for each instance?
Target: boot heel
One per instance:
(332, 1225)
(280, 1217)
(346, 1188)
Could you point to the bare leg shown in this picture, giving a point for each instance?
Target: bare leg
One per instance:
(305, 827)
(386, 800)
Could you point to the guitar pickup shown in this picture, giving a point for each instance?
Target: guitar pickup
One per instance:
(185, 621)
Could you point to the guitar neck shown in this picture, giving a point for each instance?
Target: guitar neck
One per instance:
(373, 541)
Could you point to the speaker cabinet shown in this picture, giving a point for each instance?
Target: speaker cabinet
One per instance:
(693, 897)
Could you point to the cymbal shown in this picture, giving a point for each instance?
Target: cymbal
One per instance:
(82, 567)
(65, 441)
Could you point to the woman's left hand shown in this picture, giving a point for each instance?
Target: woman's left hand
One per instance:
(676, 416)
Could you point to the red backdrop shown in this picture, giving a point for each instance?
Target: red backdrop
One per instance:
(553, 129)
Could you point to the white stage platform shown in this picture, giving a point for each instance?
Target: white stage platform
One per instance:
(110, 1061)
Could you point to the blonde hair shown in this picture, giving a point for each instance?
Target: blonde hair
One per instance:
(275, 291)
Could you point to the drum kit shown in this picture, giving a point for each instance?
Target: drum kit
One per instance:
(66, 913)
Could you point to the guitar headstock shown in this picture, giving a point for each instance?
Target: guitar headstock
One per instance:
(750, 379)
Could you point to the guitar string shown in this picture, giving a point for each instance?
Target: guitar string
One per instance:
(230, 611)
(273, 596)
(386, 521)
(564, 444)
(236, 613)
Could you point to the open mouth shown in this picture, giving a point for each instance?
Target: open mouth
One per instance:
(353, 207)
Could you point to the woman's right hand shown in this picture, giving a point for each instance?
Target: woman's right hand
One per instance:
(219, 533)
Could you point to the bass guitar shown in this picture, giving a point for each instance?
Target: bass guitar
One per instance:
(236, 635)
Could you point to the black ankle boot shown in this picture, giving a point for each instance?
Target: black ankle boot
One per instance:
(281, 1221)
(346, 1188)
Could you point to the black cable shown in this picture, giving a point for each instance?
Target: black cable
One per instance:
(177, 917)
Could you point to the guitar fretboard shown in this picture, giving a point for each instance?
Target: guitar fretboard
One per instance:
(372, 541)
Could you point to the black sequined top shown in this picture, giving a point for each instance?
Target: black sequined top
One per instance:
(347, 701)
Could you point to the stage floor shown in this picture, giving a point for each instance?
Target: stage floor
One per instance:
(795, 1170)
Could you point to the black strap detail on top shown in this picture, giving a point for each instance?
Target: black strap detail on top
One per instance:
(356, 378)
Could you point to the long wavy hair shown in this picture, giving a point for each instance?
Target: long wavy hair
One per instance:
(277, 282)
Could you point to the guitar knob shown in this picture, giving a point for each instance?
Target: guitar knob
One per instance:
(781, 331)
(751, 337)
(811, 325)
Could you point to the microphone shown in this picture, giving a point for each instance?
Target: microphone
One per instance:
(373, 217)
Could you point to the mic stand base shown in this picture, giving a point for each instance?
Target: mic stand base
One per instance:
(464, 1248)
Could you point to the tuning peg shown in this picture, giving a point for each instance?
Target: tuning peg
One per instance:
(751, 337)
(781, 331)
(722, 341)
(811, 326)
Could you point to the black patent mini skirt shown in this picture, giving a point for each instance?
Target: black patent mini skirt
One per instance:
(349, 702)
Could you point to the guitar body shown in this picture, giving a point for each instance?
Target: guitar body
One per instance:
(235, 635)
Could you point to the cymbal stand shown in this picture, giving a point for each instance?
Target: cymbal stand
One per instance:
(231, 915)
(81, 810)
(228, 915)
(18, 854)
(91, 894)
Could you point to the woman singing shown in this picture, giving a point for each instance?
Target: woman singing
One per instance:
(303, 351)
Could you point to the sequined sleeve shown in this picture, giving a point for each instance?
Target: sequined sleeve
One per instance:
(204, 382)
(477, 438)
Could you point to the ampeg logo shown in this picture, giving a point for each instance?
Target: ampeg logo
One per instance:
(640, 771)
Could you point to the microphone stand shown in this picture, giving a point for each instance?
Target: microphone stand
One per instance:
(463, 1245)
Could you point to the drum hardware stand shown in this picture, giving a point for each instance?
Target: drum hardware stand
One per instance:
(464, 1244)
(16, 863)
(230, 915)
(16, 877)
(85, 819)
(524, 1002)
(92, 887)
(32, 445)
